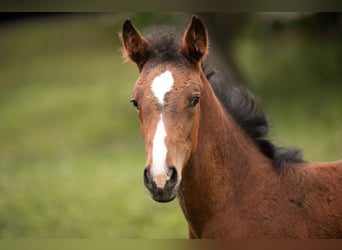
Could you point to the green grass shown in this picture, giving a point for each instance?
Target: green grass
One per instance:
(71, 153)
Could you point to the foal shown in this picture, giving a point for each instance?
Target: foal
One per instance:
(206, 146)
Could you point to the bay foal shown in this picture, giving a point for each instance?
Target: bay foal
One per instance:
(205, 144)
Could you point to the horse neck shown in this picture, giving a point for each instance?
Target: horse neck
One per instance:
(220, 163)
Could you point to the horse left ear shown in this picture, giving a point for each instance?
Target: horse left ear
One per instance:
(134, 44)
(195, 40)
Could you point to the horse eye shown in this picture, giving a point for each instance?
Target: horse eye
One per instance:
(135, 103)
(194, 101)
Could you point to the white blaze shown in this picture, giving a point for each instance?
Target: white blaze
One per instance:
(159, 150)
(161, 85)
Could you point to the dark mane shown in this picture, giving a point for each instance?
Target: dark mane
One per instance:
(241, 104)
(165, 45)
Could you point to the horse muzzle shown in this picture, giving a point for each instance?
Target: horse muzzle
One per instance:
(163, 188)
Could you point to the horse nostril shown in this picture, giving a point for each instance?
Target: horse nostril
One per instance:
(148, 180)
(173, 177)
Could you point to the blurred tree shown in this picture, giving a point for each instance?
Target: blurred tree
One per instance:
(222, 28)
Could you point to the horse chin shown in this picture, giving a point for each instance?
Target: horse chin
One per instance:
(161, 196)
(163, 199)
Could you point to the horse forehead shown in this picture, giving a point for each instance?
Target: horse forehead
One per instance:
(162, 84)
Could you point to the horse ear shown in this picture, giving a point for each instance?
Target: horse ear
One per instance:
(135, 46)
(195, 40)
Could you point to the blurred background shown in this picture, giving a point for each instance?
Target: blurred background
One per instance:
(71, 153)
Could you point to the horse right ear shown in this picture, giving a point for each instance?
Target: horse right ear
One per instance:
(195, 40)
(135, 46)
